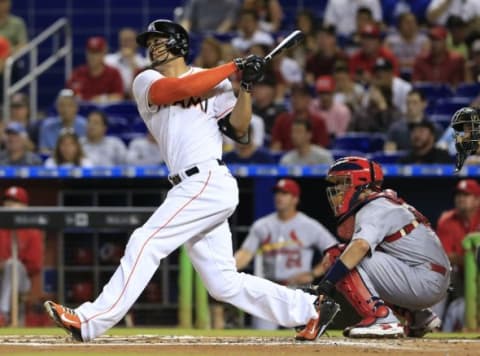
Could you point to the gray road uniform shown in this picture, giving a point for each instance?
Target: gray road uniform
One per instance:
(408, 266)
(285, 249)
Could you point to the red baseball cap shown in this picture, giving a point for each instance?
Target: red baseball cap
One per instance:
(96, 44)
(468, 186)
(370, 30)
(16, 193)
(325, 84)
(287, 186)
(438, 33)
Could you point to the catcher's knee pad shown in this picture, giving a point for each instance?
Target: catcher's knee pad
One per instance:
(355, 291)
(335, 251)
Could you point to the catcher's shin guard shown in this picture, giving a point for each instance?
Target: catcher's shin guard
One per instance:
(369, 307)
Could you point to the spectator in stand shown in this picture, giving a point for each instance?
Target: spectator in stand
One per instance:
(144, 151)
(249, 32)
(440, 65)
(67, 118)
(337, 116)
(363, 61)
(270, 13)
(20, 112)
(304, 152)
(323, 61)
(457, 36)
(12, 27)
(264, 104)
(95, 81)
(282, 129)
(30, 254)
(452, 227)
(347, 91)
(199, 16)
(5, 52)
(211, 53)
(342, 14)
(307, 23)
(398, 135)
(127, 60)
(423, 150)
(100, 149)
(439, 11)
(407, 43)
(383, 77)
(364, 17)
(16, 152)
(378, 115)
(68, 152)
(249, 153)
(472, 72)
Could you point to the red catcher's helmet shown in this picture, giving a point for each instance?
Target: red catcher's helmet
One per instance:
(350, 176)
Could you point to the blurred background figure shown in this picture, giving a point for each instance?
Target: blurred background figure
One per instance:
(12, 27)
(250, 153)
(249, 32)
(283, 244)
(127, 60)
(30, 256)
(303, 152)
(96, 81)
(68, 152)
(422, 143)
(16, 152)
(306, 22)
(67, 117)
(452, 227)
(100, 149)
(203, 16)
(144, 151)
(211, 53)
(347, 91)
(270, 13)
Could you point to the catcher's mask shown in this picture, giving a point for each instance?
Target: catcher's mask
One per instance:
(350, 176)
(177, 39)
(466, 125)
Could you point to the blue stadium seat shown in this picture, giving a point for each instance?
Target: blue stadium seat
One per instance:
(387, 157)
(359, 141)
(138, 126)
(117, 125)
(433, 91)
(442, 119)
(469, 90)
(127, 109)
(448, 106)
(339, 153)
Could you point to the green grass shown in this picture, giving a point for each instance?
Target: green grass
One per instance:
(196, 332)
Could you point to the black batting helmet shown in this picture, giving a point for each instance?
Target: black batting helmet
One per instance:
(178, 41)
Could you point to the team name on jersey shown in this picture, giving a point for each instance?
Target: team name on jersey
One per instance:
(199, 102)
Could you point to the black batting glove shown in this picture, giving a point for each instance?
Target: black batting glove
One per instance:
(325, 287)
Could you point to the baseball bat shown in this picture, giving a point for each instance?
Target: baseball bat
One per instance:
(290, 41)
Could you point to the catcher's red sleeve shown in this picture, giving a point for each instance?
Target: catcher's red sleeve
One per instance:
(169, 90)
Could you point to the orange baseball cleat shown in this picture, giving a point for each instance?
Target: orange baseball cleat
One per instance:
(65, 318)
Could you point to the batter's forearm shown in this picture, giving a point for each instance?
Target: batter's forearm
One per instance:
(169, 90)
(242, 113)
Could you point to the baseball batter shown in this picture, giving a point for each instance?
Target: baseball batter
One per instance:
(394, 261)
(286, 240)
(184, 108)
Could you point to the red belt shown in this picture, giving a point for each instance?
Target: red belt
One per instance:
(438, 268)
(402, 232)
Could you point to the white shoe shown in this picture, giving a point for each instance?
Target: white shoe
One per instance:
(380, 330)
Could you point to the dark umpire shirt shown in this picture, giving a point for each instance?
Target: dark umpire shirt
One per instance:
(435, 155)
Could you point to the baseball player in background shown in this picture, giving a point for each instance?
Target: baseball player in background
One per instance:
(286, 240)
(187, 109)
(393, 262)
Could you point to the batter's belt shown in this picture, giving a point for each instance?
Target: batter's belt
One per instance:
(175, 179)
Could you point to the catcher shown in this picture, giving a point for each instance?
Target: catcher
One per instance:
(466, 125)
(393, 264)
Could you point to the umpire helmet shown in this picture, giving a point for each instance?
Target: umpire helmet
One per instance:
(178, 40)
(466, 125)
(350, 176)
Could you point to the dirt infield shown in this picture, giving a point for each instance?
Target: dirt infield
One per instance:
(225, 346)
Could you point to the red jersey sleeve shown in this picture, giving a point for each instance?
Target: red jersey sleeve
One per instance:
(32, 252)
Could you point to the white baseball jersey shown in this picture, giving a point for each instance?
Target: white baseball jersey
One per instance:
(187, 131)
(287, 246)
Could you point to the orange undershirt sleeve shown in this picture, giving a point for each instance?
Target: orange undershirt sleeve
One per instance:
(169, 90)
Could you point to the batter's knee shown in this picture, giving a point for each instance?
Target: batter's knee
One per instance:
(226, 287)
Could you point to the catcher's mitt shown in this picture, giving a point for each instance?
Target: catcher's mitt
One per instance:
(327, 309)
